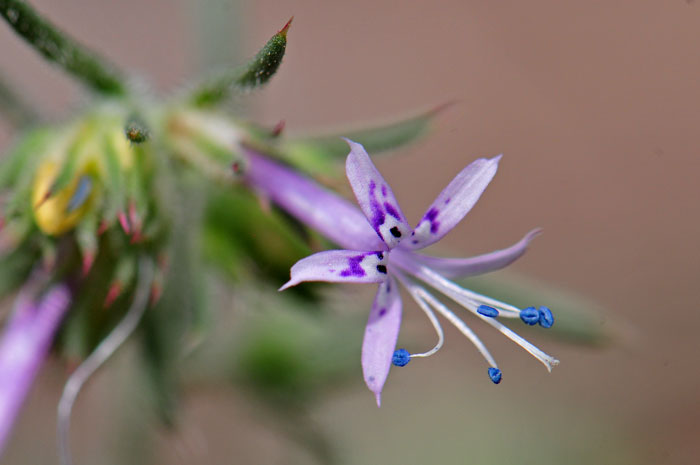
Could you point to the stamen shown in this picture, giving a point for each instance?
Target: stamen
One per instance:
(422, 297)
(461, 326)
(530, 316)
(81, 194)
(453, 291)
(428, 312)
(546, 319)
(103, 351)
(401, 358)
(487, 311)
(495, 375)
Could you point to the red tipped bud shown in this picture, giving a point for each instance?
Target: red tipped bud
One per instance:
(115, 289)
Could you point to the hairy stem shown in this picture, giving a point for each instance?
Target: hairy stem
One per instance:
(57, 47)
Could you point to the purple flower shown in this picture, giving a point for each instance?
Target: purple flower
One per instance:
(381, 248)
(24, 345)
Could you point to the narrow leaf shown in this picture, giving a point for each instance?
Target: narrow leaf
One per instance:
(319, 152)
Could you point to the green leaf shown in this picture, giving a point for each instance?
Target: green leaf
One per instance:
(255, 73)
(578, 320)
(319, 153)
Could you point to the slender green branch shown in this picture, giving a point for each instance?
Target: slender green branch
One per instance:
(17, 111)
(57, 47)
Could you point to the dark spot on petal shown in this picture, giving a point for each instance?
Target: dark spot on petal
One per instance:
(354, 268)
(382, 312)
(381, 269)
(371, 378)
(447, 200)
(395, 232)
(383, 190)
(432, 214)
(380, 255)
(415, 241)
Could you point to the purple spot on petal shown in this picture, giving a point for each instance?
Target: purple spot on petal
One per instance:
(391, 210)
(384, 190)
(415, 241)
(378, 216)
(354, 268)
(382, 312)
(371, 378)
(447, 200)
(432, 214)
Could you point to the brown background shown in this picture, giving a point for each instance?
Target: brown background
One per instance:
(596, 106)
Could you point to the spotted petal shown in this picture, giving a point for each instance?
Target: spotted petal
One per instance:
(381, 334)
(340, 266)
(472, 266)
(453, 203)
(375, 197)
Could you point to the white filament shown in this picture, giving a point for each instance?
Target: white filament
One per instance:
(424, 297)
(467, 300)
(103, 351)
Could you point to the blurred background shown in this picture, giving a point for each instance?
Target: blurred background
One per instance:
(596, 106)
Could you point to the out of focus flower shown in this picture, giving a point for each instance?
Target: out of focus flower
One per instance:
(381, 248)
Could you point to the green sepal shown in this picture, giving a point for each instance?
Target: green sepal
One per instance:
(114, 186)
(577, 320)
(255, 73)
(320, 153)
(74, 153)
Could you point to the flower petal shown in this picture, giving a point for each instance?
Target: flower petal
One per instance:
(325, 211)
(453, 203)
(375, 197)
(340, 266)
(381, 334)
(25, 343)
(465, 267)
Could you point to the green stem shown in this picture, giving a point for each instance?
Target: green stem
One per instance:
(17, 111)
(56, 46)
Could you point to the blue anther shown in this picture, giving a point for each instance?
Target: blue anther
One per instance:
(495, 375)
(81, 194)
(546, 318)
(487, 311)
(401, 358)
(530, 316)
